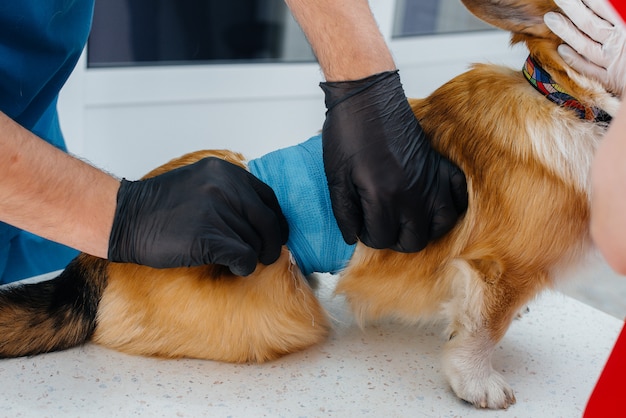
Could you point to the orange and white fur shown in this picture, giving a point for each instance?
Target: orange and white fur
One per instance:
(527, 164)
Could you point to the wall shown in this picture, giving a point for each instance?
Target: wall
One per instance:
(129, 120)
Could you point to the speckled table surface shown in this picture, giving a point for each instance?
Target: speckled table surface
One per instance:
(552, 358)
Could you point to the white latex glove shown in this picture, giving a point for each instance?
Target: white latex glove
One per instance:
(595, 39)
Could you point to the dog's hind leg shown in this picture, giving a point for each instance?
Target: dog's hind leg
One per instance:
(480, 314)
(207, 312)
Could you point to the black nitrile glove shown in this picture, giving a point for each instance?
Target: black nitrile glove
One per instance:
(208, 212)
(387, 185)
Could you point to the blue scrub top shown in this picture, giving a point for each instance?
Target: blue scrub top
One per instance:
(40, 43)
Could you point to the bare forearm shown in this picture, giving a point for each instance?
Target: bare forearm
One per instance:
(344, 37)
(608, 214)
(52, 194)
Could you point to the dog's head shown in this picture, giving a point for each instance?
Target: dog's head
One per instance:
(524, 19)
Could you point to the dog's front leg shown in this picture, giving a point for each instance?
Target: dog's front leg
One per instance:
(467, 365)
(467, 354)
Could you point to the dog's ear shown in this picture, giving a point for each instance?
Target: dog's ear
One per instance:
(517, 16)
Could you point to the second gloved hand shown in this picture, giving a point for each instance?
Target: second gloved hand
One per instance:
(595, 40)
(388, 186)
(211, 211)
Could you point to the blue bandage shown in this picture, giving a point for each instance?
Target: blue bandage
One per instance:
(296, 174)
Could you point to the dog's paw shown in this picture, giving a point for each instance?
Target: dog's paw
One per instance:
(522, 312)
(491, 392)
(472, 377)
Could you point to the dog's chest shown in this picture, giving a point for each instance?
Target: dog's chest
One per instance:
(565, 145)
(567, 141)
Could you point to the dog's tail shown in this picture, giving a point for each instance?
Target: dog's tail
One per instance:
(55, 314)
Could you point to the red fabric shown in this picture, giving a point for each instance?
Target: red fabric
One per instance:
(608, 397)
(620, 6)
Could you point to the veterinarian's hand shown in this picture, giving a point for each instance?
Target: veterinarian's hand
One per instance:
(211, 211)
(595, 39)
(387, 185)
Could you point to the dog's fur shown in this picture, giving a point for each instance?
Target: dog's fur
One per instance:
(527, 163)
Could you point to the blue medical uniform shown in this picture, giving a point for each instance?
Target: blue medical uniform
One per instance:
(40, 43)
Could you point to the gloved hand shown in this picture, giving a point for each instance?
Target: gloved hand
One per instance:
(596, 45)
(211, 211)
(387, 185)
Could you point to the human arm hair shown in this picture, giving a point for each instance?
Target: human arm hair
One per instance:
(50, 193)
(608, 203)
(344, 36)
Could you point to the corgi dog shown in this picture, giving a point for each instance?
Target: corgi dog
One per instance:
(525, 139)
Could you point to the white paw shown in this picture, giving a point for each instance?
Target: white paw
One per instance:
(522, 312)
(485, 392)
(467, 365)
